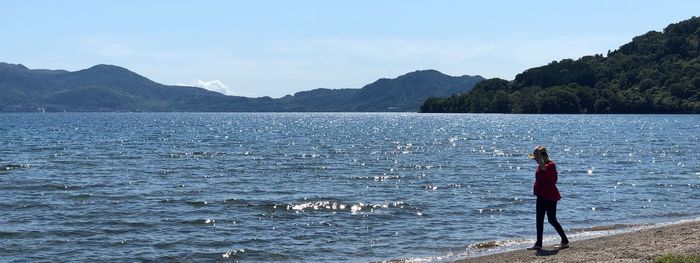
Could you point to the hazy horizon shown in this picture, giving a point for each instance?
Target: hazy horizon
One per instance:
(267, 48)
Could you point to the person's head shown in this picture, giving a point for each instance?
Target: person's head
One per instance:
(540, 150)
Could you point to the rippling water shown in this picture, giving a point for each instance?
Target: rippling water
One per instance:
(325, 187)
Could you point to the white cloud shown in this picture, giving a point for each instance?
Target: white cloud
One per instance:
(213, 85)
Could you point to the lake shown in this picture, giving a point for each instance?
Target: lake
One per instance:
(327, 187)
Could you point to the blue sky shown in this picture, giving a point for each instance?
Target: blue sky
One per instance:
(274, 48)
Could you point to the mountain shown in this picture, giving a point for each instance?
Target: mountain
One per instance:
(113, 88)
(99, 88)
(404, 93)
(317, 100)
(654, 73)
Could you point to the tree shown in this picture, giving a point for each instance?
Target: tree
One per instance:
(656, 72)
(559, 100)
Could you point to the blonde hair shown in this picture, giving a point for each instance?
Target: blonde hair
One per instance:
(543, 150)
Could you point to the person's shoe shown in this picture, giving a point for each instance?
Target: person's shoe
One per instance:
(562, 246)
(535, 247)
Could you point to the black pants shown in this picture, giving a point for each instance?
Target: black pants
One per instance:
(549, 207)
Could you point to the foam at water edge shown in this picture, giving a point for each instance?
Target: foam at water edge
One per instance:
(501, 246)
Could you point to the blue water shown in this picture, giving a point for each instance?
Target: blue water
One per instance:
(288, 187)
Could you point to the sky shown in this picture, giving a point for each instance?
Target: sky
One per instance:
(274, 48)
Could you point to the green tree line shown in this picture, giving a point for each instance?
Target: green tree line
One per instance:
(654, 73)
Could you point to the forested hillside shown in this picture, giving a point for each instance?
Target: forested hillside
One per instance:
(655, 73)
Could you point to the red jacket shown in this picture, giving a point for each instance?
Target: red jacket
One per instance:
(546, 182)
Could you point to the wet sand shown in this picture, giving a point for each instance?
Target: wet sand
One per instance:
(638, 246)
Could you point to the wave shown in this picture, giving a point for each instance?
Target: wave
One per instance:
(25, 205)
(498, 246)
(236, 202)
(605, 228)
(131, 224)
(31, 234)
(198, 155)
(57, 187)
(9, 167)
(234, 255)
(304, 206)
(200, 221)
(81, 197)
(196, 203)
(376, 177)
(495, 244)
(6, 234)
(50, 187)
(336, 206)
(329, 205)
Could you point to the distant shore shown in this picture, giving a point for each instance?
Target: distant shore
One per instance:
(637, 246)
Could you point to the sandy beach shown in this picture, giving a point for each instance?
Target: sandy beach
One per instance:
(637, 246)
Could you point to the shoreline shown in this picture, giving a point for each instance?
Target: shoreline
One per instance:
(637, 245)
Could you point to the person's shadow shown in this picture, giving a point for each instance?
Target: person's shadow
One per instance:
(546, 253)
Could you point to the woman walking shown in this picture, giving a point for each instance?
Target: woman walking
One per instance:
(547, 196)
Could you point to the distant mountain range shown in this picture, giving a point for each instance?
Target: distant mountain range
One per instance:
(113, 88)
